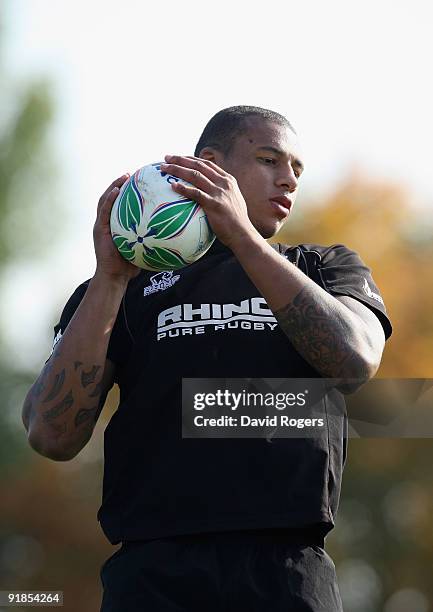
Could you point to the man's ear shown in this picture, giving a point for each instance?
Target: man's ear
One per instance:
(212, 155)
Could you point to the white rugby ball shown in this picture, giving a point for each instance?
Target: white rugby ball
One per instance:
(153, 227)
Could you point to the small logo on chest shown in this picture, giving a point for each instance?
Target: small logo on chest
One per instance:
(161, 282)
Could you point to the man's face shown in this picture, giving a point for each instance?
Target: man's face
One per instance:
(266, 162)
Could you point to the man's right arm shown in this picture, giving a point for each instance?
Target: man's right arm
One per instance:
(63, 405)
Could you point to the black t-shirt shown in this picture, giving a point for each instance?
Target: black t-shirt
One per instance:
(209, 320)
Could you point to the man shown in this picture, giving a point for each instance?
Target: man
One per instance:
(209, 524)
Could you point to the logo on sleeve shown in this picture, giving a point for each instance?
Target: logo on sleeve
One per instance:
(371, 293)
(56, 339)
(161, 282)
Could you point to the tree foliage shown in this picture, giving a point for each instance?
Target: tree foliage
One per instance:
(25, 169)
(24, 214)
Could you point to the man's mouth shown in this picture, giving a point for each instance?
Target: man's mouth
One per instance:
(281, 204)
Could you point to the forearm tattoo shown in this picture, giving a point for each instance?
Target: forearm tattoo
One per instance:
(317, 336)
(88, 377)
(97, 390)
(37, 390)
(85, 415)
(57, 386)
(40, 384)
(55, 416)
(59, 408)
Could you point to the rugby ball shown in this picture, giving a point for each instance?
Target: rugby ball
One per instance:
(153, 227)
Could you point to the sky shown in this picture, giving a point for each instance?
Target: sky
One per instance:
(134, 80)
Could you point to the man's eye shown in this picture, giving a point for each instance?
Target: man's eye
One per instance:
(268, 160)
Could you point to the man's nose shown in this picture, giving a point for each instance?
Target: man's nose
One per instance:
(288, 179)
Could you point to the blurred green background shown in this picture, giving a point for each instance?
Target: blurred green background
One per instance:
(49, 537)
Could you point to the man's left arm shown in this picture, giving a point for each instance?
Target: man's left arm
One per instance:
(339, 336)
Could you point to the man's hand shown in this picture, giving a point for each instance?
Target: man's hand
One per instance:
(109, 261)
(217, 192)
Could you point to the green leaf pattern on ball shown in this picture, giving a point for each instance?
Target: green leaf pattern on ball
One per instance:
(171, 219)
(123, 247)
(163, 259)
(129, 210)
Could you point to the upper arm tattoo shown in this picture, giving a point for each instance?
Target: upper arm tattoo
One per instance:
(317, 335)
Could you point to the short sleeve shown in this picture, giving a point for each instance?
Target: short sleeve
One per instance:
(343, 272)
(119, 343)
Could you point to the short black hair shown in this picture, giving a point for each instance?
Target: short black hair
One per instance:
(229, 123)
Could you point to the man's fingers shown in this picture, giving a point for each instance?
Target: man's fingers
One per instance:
(210, 163)
(192, 175)
(117, 183)
(104, 210)
(210, 170)
(191, 192)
